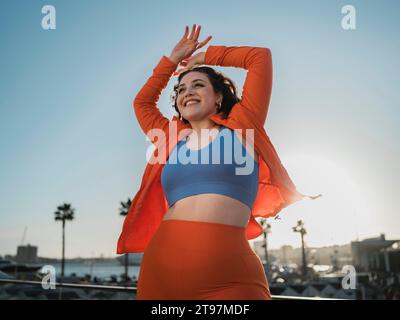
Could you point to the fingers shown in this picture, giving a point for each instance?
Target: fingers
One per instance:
(187, 66)
(197, 33)
(186, 32)
(177, 72)
(193, 32)
(202, 44)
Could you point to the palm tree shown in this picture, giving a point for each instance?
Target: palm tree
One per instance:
(300, 228)
(123, 211)
(64, 213)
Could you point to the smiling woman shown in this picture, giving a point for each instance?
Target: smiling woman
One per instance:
(213, 91)
(210, 208)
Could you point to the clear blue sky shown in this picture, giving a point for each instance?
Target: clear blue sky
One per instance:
(68, 132)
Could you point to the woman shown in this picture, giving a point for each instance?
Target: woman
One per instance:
(192, 219)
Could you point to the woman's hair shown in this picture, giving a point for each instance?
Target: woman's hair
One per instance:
(219, 82)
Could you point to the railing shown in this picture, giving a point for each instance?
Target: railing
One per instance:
(72, 285)
(131, 289)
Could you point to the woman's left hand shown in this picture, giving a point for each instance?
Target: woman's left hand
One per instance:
(198, 58)
(192, 61)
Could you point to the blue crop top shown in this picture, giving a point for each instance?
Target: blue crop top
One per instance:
(230, 170)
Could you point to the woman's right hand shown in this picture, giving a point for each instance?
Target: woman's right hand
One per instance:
(187, 45)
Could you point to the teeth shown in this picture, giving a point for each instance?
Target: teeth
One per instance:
(191, 102)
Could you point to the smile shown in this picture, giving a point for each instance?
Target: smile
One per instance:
(187, 103)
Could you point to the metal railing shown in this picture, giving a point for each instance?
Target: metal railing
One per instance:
(132, 289)
(73, 285)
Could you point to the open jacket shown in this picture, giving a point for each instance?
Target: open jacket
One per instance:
(275, 188)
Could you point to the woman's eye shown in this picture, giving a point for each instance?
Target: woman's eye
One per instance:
(196, 85)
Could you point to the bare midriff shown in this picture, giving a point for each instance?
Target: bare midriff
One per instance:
(210, 207)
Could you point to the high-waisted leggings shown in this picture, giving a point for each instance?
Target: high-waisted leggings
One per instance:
(196, 260)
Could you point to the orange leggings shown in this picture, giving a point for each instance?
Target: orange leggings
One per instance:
(196, 260)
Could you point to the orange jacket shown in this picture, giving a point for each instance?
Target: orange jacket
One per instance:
(275, 191)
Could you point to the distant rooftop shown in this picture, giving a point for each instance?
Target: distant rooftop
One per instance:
(376, 242)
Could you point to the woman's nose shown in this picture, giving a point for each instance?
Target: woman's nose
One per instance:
(187, 93)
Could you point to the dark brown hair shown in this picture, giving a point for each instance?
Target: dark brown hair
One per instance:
(220, 84)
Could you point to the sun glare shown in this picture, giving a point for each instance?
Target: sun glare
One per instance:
(338, 217)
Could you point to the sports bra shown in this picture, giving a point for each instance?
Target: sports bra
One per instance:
(224, 167)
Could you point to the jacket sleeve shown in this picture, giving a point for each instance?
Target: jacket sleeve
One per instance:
(257, 88)
(145, 102)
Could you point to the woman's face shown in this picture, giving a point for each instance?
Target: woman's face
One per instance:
(196, 86)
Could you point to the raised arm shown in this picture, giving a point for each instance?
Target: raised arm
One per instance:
(257, 88)
(145, 104)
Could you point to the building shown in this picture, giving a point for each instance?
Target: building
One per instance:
(376, 254)
(27, 254)
(337, 255)
(391, 258)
